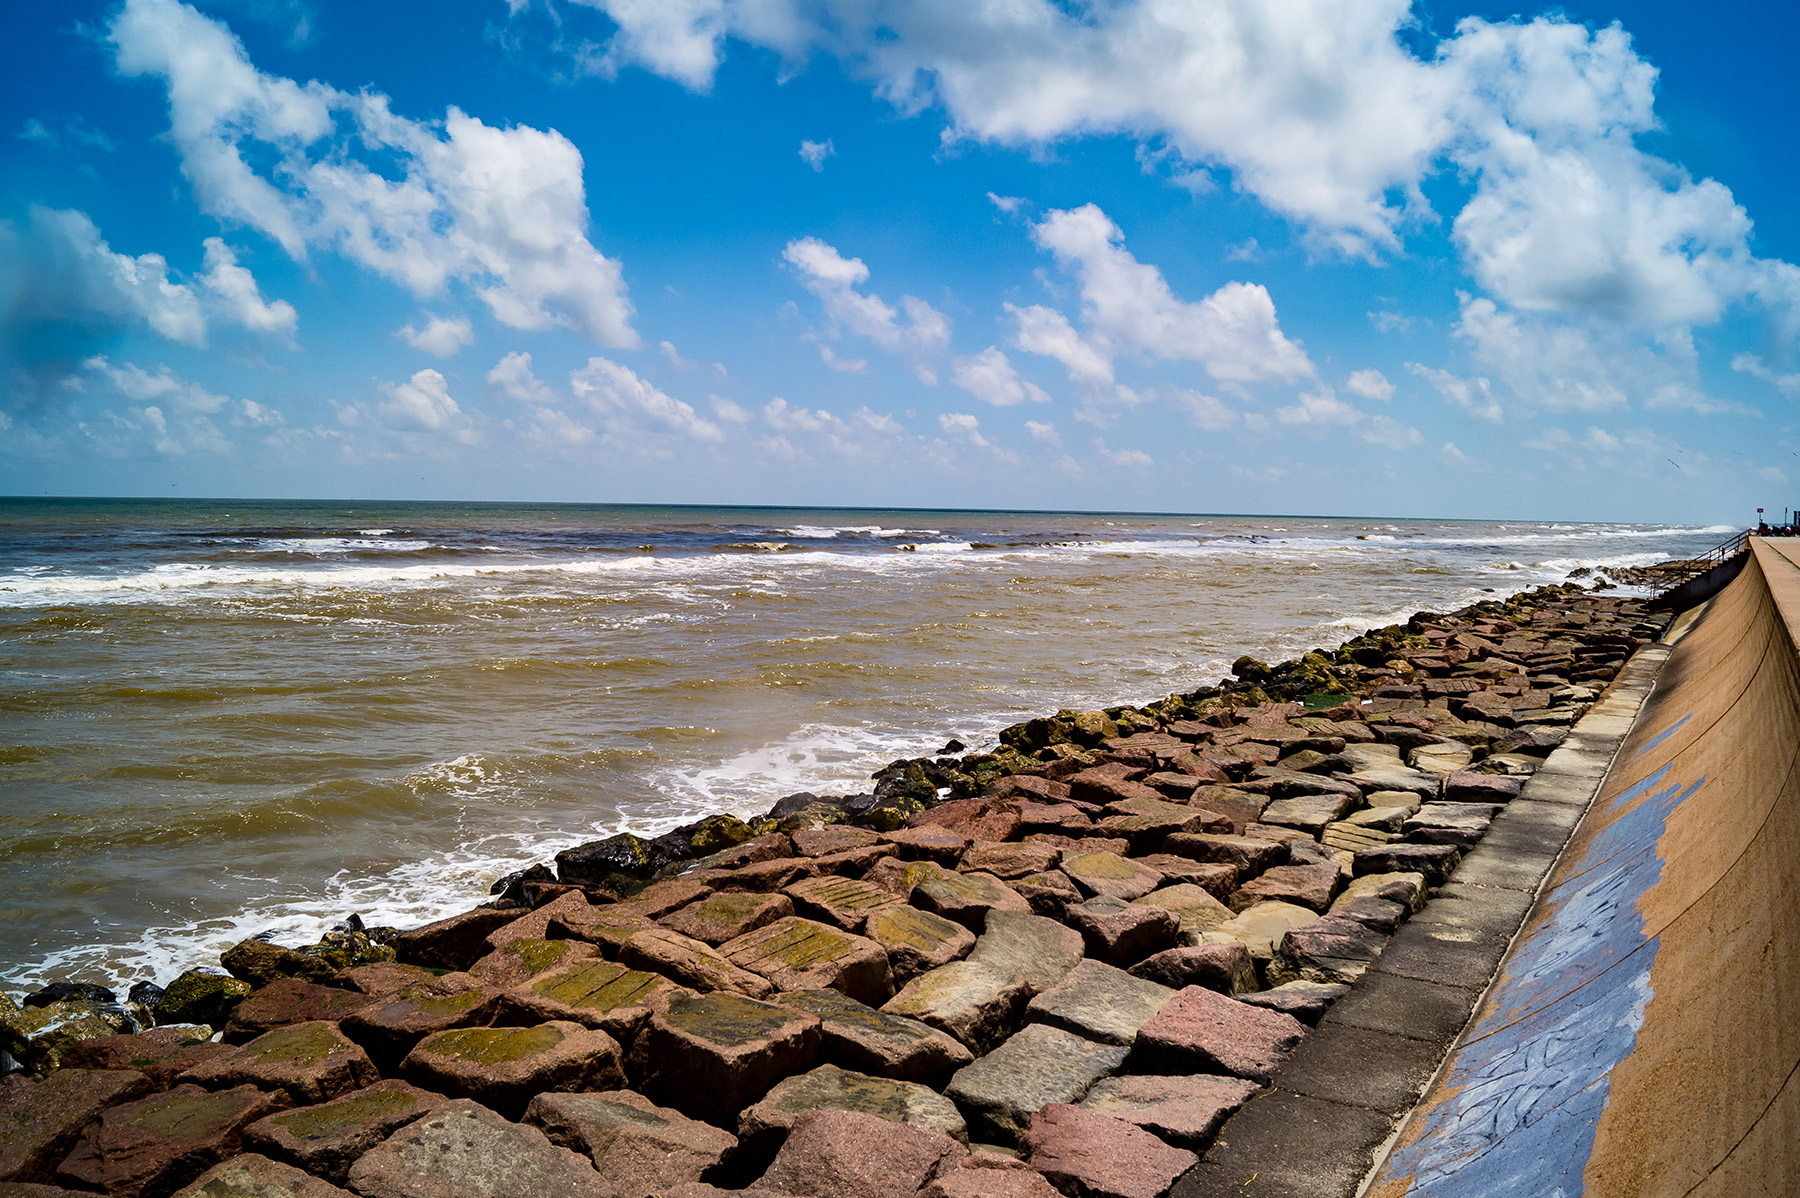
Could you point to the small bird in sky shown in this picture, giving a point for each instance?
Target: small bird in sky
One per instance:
(1673, 462)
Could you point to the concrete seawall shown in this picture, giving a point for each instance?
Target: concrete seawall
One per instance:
(1643, 1034)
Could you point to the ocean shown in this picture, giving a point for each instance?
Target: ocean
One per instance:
(219, 718)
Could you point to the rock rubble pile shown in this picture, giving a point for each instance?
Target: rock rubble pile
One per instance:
(1056, 968)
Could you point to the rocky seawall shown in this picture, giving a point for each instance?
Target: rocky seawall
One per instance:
(1057, 968)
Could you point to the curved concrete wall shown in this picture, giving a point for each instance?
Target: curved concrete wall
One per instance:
(1643, 1034)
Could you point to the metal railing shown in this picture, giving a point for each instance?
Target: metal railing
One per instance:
(1717, 556)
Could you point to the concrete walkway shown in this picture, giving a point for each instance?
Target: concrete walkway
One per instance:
(1643, 1033)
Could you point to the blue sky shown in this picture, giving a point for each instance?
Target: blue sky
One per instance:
(1247, 256)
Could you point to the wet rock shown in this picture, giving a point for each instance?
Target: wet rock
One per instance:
(159, 1054)
(1120, 933)
(1310, 813)
(859, 1037)
(1305, 1001)
(1309, 886)
(636, 1146)
(145, 994)
(327, 1139)
(1196, 908)
(1100, 1003)
(1184, 1111)
(916, 941)
(599, 994)
(844, 903)
(40, 1038)
(290, 1000)
(454, 943)
(966, 898)
(251, 1176)
(464, 1150)
(1227, 968)
(622, 863)
(313, 1062)
(763, 1127)
(68, 992)
(502, 1067)
(1001, 1091)
(1217, 880)
(802, 954)
(518, 961)
(388, 1029)
(1111, 875)
(40, 1122)
(1200, 1031)
(260, 963)
(711, 1056)
(689, 962)
(158, 1144)
(197, 997)
(728, 914)
(1037, 950)
(1010, 861)
(1433, 861)
(978, 1004)
(1333, 949)
(850, 1154)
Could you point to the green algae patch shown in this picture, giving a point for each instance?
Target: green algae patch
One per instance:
(539, 955)
(597, 986)
(335, 1118)
(729, 1020)
(1101, 865)
(912, 927)
(802, 945)
(430, 1001)
(494, 1045)
(186, 1116)
(302, 1045)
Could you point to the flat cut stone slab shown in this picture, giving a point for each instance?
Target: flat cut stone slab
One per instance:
(40, 1122)
(465, 1150)
(636, 1146)
(1406, 888)
(850, 1154)
(327, 1139)
(1121, 933)
(1099, 1002)
(1419, 783)
(1096, 1155)
(1445, 757)
(1038, 950)
(1463, 823)
(533, 925)
(608, 928)
(1333, 949)
(845, 903)
(1211, 876)
(1111, 875)
(866, 1040)
(967, 898)
(520, 960)
(764, 1127)
(1353, 838)
(313, 1062)
(159, 1054)
(713, 1055)
(1001, 1091)
(1378, 819)
(838, 838)
(1200, 1031)
(1309, 813)
(1260, 928)
(690, 962)
(766, 875)
(1010, 861)
(917, 940)
(979, 1004)
(803, 954)
(1014, 1179)
(248, 1175)
(454, 943)
(594, 993)
(1227, 968)
(1305, 1001)
(1467, 786)
(1184, 1111)
(384, 977)
(1434, 861)
(928, 844)
(729, 914)
(389, 1028)
(503, 1067)
(290, 1000)
(668, 896)
(1195, 906)
(1309, 886)
(158, 1144)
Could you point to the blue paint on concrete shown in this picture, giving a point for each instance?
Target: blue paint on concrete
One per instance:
(1660, 737)
(1528, 1085)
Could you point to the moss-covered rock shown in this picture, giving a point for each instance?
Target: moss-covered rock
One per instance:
(38, 1037)
(716, 833)
(260, 962)
(197, 997)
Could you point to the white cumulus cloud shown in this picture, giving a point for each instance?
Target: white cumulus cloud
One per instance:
(924, 333)
(441, 337)
(624, 401)
(990, 377)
